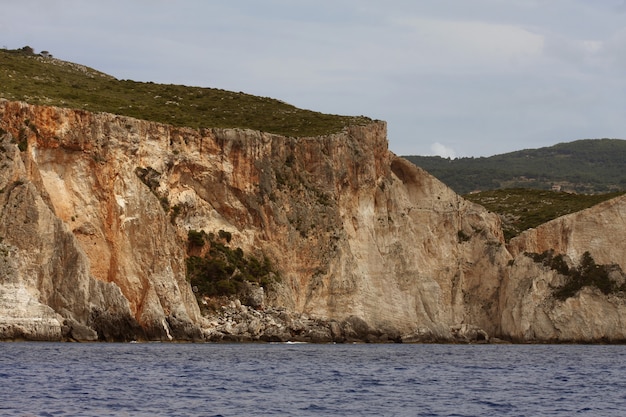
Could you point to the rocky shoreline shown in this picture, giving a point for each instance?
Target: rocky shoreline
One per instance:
(237, 322)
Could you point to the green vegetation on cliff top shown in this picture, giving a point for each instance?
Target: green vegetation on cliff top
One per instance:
(583, 166)
(527, 188)
(522, 208)
(39, 79)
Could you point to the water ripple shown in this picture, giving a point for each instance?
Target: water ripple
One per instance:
(48, 379)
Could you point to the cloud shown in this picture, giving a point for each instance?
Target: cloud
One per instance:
(462, 45)
(482, 77)
(442, 150)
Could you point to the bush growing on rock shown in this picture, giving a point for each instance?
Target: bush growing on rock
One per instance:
(195, 238)
(590, 274)
(586, 274)
(224, 271)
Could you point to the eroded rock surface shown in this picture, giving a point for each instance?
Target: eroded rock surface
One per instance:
(530, 311)
(95, 210)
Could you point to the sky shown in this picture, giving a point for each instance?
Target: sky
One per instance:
(454, 78)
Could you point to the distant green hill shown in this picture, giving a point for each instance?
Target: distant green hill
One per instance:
(41, 79)
(583, 166)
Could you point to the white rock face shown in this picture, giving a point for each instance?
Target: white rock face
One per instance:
(23, 316)
(599, 230)
(96, 208)
(89, 242)
(529, 310)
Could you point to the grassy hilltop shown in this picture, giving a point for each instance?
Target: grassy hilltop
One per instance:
(41, 79)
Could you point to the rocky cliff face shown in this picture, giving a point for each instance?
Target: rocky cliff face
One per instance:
(354, 230)
(95, 210)
(530, 311)
(599, 230)
(85, 238)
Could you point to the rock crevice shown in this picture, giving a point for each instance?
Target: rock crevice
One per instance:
(95, 211)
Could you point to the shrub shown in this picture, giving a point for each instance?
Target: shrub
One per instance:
(165, 203)
(462, 236)
(196, 238)
(586, 274)
(223, 271)
(27, 50)
(175, 212)
(227, 236)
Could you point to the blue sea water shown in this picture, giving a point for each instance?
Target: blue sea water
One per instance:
(152, 379)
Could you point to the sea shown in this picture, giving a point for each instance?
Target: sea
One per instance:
(167, 379)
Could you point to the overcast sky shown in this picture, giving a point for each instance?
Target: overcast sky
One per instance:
(450, 77)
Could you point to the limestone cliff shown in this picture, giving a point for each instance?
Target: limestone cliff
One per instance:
(95, 211)
(86, 239)
(530, 311)
(599, 230)
(354, 230)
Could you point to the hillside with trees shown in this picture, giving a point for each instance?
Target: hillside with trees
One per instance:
(586, 166)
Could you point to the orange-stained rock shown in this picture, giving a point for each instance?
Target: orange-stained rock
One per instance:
(357, 233)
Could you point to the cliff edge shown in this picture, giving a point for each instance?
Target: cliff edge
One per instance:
(355, 231)
(567, 283)
(96, 210)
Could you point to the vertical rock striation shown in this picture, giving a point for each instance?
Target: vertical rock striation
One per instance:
(97, 207)
(89, 240)
(530, 311)
(95, 210)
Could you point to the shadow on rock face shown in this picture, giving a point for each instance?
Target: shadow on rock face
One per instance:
(116, 327)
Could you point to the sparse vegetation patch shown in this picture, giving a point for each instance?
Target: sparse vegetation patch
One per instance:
(609, 279)
(223, 271)
(523, 208)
